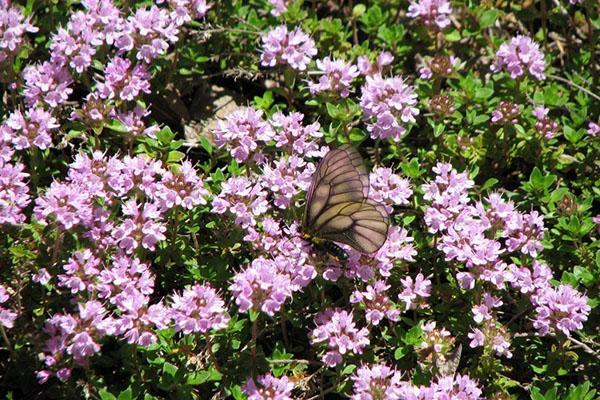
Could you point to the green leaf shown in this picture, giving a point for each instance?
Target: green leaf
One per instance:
(170, 369)
(488, 18)
(175, 156)
(400, 352)
(126, 394)
(106, 395)
(489, 184)
(453, 36)
(200, 377)
(206, 145)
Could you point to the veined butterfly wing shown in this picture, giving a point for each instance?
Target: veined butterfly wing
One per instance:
(338, 207)
(340, 177)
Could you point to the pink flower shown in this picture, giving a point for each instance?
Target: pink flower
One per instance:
(261, 286)
(7, 317)
(483, 311)
(68, 205)
(336, 78)
(13, 29)
(142, 226)
(376, 302)
(431, 13)
(377, 381)
(48, 82)
(506, 113)
(14, 193)
(242, 131)
(279, 6)
(267, 387)
(562, 309)
(287, 179)
(593, 129)
(243, 198)
(198, 309)
(388, 104)
(122, 81)
(415, 293)
(295, 137)
(336, 329)
(181, 186)
(32, 129)
(388, 188)
(149, 32)
(368, 68)
(280, 47)
(520, 56)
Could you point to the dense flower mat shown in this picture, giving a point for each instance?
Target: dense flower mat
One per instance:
(139, 260)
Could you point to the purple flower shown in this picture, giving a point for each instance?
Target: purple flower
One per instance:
(525, 232)
(280, 47)
(388, 188)
(336, 329)
(562, 309)
(198, 309)
(336, 78)
(32, 129)
(14, 193)
(80, 272)
(376, 302)
(431, 13)
(261, 286)
(76, 45)
(122, 81)
(368, 68)
(377, 381)
(388, 104)
(415, 293)
(48, 82)
(483, 311)
(241, 131)
(267, 387)
(142, 226)
(13, 28)
(506, 113)
(68, 205)
(492, 336)
(243, 198)
(295, 137)
(439, 66)
(134, 124)
(148, 32)
(279, 6)
(134, 175)
(182, 187)
(121, 281)
(520, 56)
(287, 179)
(7, 317)
(593, 129)
(185, 10)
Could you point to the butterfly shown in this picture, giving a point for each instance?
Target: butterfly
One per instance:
(338, 207)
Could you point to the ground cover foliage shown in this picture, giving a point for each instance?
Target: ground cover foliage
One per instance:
(154, 162)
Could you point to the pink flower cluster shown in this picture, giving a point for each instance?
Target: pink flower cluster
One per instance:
(7, 317)
(464, 228)
(198, 309)
(522, 55)
(415, 292)
(389, 189)
(388, 104)
(547, 127)
(431, 13)
(337, 330)
(368, 68)
(376, 302)
(336, 78)
(13, 28)
(281, 47)
(242, 131)
(267, 387)
(14, 192)
(379, 381)
(279, 6)
(295, 138)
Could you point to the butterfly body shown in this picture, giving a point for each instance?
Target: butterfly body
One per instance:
(324, 246)
(338, 207)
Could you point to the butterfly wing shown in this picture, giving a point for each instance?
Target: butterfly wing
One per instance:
(340, 177)
(364, 226)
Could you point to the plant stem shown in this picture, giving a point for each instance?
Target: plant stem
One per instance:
(13, 355)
